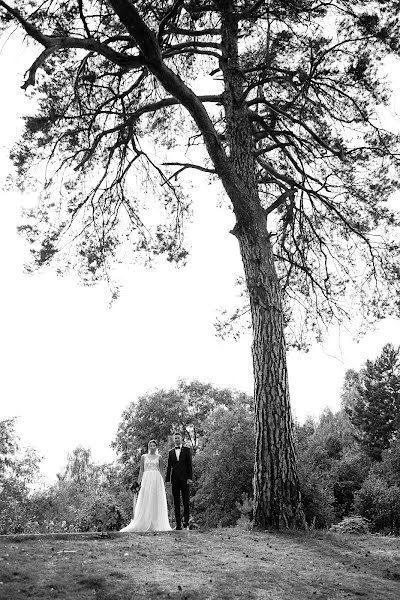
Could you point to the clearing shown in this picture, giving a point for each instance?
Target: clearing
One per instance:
(220, 564)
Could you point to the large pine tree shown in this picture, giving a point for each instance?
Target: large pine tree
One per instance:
(278, 98)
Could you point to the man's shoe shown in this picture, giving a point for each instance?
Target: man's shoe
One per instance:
(178, 528)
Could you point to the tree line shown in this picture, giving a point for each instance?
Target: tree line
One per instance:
(349, 461)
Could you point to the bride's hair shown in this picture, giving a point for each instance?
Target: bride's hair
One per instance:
(154, 442)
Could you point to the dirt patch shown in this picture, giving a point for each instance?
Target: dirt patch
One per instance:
(220, 564)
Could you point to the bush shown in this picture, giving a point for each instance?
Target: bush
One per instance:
(317, 496)
(99, 513)
(380, 503)
(355, 525)
(223, 467)
(348, 475)
(245, 507)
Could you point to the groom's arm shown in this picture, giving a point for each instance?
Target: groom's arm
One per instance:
(189, 463)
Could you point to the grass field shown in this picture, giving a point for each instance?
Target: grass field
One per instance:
(192, 565)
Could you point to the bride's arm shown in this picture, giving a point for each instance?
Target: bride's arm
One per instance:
(161, 465)
(141, 469)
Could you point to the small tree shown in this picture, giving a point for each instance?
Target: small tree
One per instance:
(18, 469)
(375, 410)
(331, 467)
(224, 465)
(80, 467)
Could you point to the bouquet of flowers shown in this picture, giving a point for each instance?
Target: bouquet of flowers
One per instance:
(135, 487)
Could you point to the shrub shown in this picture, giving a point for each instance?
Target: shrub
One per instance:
(380, 503)
(317, 496)
(245, 507)
(223, 468)
(355, 525)
(100, 513)
(348, 475)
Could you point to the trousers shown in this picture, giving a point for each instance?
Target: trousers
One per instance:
(181, 488)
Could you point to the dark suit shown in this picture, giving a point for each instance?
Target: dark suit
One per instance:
(178, 472)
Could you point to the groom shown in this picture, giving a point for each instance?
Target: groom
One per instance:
(179, 473)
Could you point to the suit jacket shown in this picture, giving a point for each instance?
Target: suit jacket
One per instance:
(179, 470)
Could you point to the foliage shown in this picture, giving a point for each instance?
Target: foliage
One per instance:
(331, 467)
(317, 496)
(308, 96)
(245, 507)
(375, 409)
(379, 503)
(100, 512)
(159, 414)
(86, 497)
(79, 468)
(379, 497)
(355, 525)
(348, 476)
(223, 466)
(18, 468)
(389, 468)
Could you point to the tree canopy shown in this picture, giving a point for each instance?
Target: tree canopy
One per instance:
(161, 413)
(116, 79)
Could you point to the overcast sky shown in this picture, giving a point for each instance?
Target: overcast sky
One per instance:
(70, 364)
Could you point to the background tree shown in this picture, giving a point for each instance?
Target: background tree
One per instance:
(223, 466)
(350, 389)
(376, 407)
(86, 497)
(158, 414)
(19, 467)
(80, 467)
(332, 467)
(290, 131)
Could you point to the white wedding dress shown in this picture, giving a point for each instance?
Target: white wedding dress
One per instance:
(151, 512)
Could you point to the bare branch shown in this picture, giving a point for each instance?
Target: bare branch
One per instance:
(193, 32)
(85, 25)
(171, 14)
(234, 185)
(271, 147)
(41, 59)
(185, 166)
(276, 174)
(299, 122)
(252, 9)
(190, 50)
(192, 44)
(55, 43)
(280, 200)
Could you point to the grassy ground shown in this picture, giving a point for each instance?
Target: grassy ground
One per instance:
(219, 564)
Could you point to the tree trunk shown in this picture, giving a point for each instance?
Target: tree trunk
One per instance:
(277, 499)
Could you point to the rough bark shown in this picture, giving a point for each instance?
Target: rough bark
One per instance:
(277, 500)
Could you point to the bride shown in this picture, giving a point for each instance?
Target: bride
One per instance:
(151, 512)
